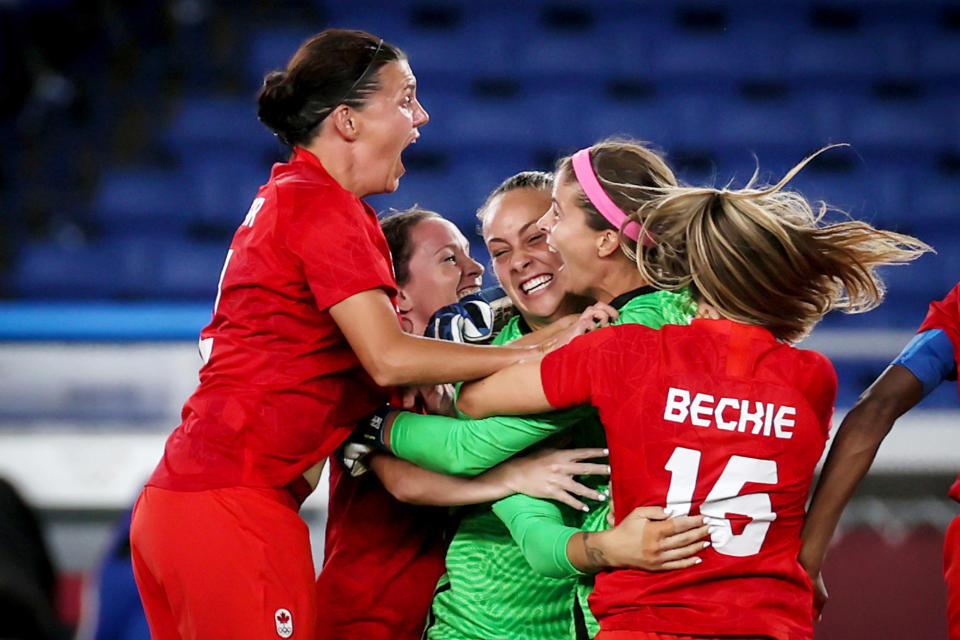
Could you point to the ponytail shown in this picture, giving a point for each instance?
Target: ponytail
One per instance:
(763, 256)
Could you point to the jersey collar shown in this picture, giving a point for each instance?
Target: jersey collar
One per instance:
(621, 300)
(302, 155)
(723, 325)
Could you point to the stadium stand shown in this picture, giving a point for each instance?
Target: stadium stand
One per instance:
(132, 153)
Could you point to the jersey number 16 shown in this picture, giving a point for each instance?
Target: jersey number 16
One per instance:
(724, 498)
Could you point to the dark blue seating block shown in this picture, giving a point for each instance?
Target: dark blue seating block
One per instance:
(764, 123)
(128, 268)
(685, 120)
(749, 46)
(223, 186)
(940, 55)
(48, 270)
(205, 124)
(904, 123)
(862, 52)
(147, 200)
(271, 47)
(187, 271)
(935, 203)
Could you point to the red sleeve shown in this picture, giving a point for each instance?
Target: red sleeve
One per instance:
(571, 375)
(945, 314)
(340, 245)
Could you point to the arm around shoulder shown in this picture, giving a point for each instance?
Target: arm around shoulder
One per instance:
(392, 357)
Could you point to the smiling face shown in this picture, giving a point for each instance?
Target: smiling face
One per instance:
(565, 225)
(530, 273)
(386, 125)
(440, 269)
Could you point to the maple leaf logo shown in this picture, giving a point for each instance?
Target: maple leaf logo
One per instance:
(283, 617)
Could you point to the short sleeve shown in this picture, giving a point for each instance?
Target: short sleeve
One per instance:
(930, 357)
(339, 243)
(571, 375)
(945, 314)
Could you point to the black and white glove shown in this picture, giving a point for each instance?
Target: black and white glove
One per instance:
(366, 438)
(474, 318)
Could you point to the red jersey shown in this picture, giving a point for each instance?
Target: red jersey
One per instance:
(945, 314)
(281, 388)
(720, 419)
(382, 560)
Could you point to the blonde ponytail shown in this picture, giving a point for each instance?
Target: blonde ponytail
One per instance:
(763, 256)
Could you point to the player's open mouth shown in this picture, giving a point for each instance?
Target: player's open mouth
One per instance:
(536, 283)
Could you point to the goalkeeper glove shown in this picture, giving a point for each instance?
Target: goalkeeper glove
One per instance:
(366, 438)
(474, 318)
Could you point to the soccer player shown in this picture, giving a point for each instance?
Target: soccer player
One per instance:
(490, 590)
(722, 417)
(382, 558)
(927, 360)
(304, 337)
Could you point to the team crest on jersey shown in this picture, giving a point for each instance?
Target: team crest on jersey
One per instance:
(284, 621)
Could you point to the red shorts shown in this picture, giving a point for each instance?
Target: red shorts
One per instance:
(951, 573)
(223, 563)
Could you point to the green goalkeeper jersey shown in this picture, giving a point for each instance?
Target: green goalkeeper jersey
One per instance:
(490, 590)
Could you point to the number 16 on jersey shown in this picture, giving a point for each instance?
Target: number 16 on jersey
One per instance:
(725, 498)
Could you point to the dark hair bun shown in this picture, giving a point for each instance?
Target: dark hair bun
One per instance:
(277, 105)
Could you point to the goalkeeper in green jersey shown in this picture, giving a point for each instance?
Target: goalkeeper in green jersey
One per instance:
(491, 590)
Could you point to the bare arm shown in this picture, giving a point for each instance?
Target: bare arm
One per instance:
(856, 443)
(518, 389)
(551, 330)
(511, 391)
(392, 357)
(548, 474)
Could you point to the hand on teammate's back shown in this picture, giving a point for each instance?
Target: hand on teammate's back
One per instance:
(593, 317)
(649, 539)
(549, 474)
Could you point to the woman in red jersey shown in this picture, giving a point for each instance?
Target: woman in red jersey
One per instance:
(382, 556)
(303, 339)
(722, 418)
(927, 360)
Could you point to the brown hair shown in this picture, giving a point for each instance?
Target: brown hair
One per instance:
(627, 170)
(396, 228)
(539, 180)
(334, 67)
(763, 256)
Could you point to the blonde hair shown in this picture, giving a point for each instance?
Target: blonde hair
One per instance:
(763, 256)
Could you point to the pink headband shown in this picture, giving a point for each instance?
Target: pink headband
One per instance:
(583, 170)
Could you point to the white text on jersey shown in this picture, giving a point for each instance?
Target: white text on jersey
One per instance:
(730, 414)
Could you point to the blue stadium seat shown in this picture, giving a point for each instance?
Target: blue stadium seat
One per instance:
(187, 271)
(935, 203)
(215, 123)
(137, 201)
(905, 123)
(128, 268)
(223, 185)
(940, 56)
(721, 55)
(51, 271)
(765, 122)
(271, 47)
(680, 119)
